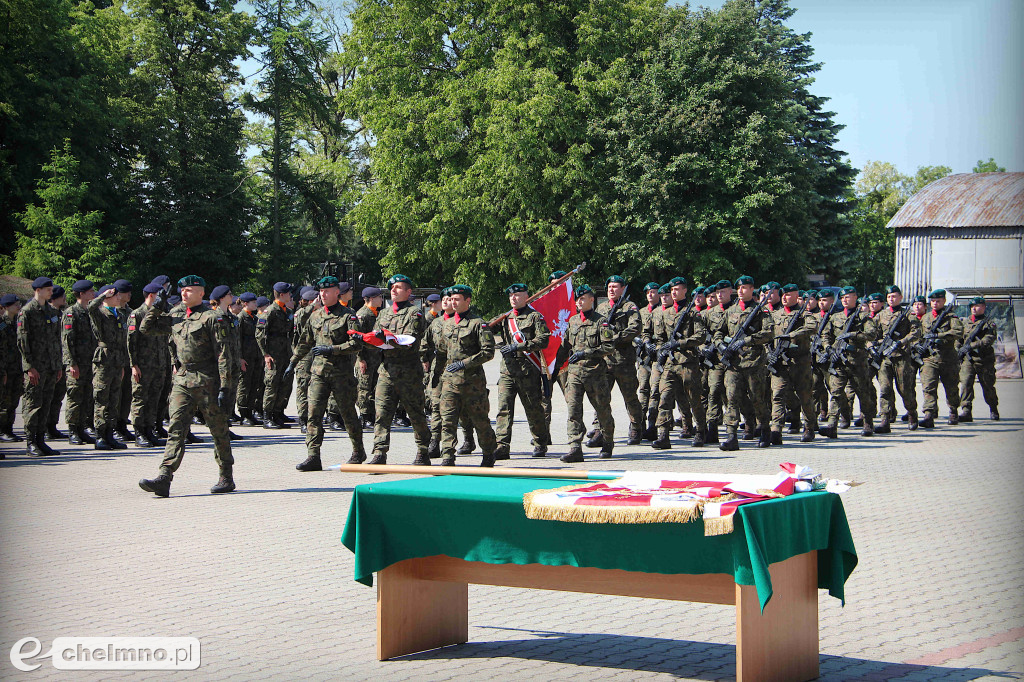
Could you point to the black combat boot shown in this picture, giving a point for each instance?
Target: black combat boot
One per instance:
(159, 486)
(421, 459)
(884, 426)
(102, 443)
(808, 435)
(302, 428)
(597, 440)
(84, 436)
(765, 439)
(929, 421)
(311, 463)
(160, 431)
(152, 437)
(33, 447)
(272, 423)
(634, 435)
(905, 417)
(140, 439)
(192, 438)
(731, 442)
(575, 454)
(776, 437)
(859, 421)
(75, 436)
(844, 421)
(794, 422)
(434, 449)
(953, 418)
(606, 451)
(53, 433)
(358, 457)
(502, 452)
(869, 428)
(234, 419)
(912, 421)
(284, 419)
(749, 432)
(711, 437)
(662, 442)
(247, 417)
(7, 434)
(468, 444)
(995, 413)
(965, 415)
(379, 458)
(233, 436)
(829, 431)
(224, 484)
(698, 437)
(590, 433)
(540, 451)
(121, 430)
(487, 460)
(448, 461)
(337, 423)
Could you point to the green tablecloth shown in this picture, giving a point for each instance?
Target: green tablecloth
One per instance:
(482, 519)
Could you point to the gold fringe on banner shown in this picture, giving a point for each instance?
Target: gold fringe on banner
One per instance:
(578, 513)
(721, 525)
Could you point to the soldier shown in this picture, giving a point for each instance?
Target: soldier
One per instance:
(677, 354)
(59, 303)
(326, 339)
(897, 367)
(715, 317)
(273, 334)
(400, 378)
(794, 374)
(220, 299)
(826, 300)
(646, 360)
(523, 331)
(148, 359)
(622, 362)
(236, 307)
(201, 357)
(110, 326)
(39, 344)
(943, 365)
(586, 343)
(11, 377)
(559, 378)
(252, 361)
(369, 357)
(979, 360)
(468, 344)
(919, 308)
(856, 327)
(78, 345)
(302, 367)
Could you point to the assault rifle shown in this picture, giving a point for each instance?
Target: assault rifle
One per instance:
(778, 356)
(966, 348)
(888, 344)
(930, 346)
(839, 353)
(727, 352)
(818, 354)
(674, 336)
(618, 304)
(642, 355)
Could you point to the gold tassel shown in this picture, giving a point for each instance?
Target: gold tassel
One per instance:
(720, 525)
(575, 513)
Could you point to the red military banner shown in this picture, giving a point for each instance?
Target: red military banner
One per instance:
(557, 306)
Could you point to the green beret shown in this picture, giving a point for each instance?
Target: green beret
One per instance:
(744, 279)
(583, 289)
(773, 285)
(893, 289)
(698, 290)
(191, 281)
(826, 293)
(847, 290)
(678, 281)
(557, 274)
(463, 289)
(938, 293)
(725, 284)
(327, 282)
(978, 300)
(515, 288)
(618, 279)
(763, 288)
(651, 285)
(790, 287)
(811, 293)
(395, 279)
(919, 299)
(710, 289)
(665, 289)
(875, 297)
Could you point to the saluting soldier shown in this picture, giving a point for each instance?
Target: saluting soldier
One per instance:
(586, 343)
(11, 378)
(370, 357)
(897, 367)
(78, 344)
(302, 367)
(273, 334)
(39, 344)
(943, 365)
(400, 377)
(468, 344)
(523, 331)
(59, 302)
(202, 359)
(252, 375)
(794, 375)
(325, 338)
(622, 362)
(645, 361)
(979, 361)
(110, 362)
(148, 357)
(677, 354)
(859, 330)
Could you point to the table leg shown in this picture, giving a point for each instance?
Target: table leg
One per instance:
(780, 644)
(416, 615)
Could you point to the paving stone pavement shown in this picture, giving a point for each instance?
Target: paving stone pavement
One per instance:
(262, 580)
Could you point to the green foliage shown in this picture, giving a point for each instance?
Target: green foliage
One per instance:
(989, 166)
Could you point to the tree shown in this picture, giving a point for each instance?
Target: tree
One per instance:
(989, 166)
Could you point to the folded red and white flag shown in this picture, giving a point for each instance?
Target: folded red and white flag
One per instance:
(384, 338)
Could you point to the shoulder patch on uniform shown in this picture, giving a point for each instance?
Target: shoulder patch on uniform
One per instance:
(262, 322)
(131, 327)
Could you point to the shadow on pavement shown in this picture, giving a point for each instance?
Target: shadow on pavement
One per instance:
(279, 490)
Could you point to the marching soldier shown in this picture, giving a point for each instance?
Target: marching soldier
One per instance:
(39, 343)
(559, 378)
(110, 326)
(860, 331)
(897, 367)
(677, 354)
(273, 335)
(78, 345)
(148, 357)
(979, 360)
(59, 303)
(220, 301)
(326, 339)
(369, 357)
(468, 344)
(650, 341)
(794, 374)
(646, 361)
(826, 300)
(943, 365)
(625, 326)
(714, 318)
(587, 341)
(524, 331)
(302, 367)
(252, 361)
(11, 377)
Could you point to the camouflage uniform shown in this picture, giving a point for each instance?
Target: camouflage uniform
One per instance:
(521, 377)
(273, 335)
(302, 366)
(796, 376)
(680, 377)
(400, 380)
(252, 377)
(59, 391)
(466, 338)
(943, 365)
(149, 354)
(12, 379)
(436, 354)
(39, 343)
(331, 374)
(715, 375)
(588, 334)
(980, 362)
(367, 318)
(897, 367)
(745, 380)
(622, 361)
(646, 367)
(235, 375)
(79, 345)
(819, 387)
(202, 360)
(863, 330)
(109, 362)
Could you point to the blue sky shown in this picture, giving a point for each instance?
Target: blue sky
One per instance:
(920, 83)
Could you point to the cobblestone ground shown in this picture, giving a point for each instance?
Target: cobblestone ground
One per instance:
(261, 579)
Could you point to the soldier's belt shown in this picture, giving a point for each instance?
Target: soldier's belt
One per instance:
(204, 367)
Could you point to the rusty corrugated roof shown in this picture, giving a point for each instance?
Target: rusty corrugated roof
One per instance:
(966, 200)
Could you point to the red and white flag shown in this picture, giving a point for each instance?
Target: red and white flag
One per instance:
(384, 338)
(557, 306)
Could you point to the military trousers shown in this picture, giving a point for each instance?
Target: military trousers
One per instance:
(643, 379)
(146, 394)
(35, 402)
(545, 400)
(11, 391)
(901, 371)
(856, 377)
(368, 387)
(529, 389)
(594, 384)
(940, 368)
(985, 371)
(276, 387)
(682, 382)
(820, 390)
(107, 380)
(339, 383)
(465, 393)
(302, 381)
(623, 375)
(743, 387)
(251, 378)
(59, 391)
(191, 391)
(399, 383)
(79, 409)
(716, 394)
(794, 382)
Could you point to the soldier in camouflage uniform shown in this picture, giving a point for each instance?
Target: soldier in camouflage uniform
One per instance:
(202, 359)
(59, 303)
(325, 338)
(744, 380)
(979, 361)
(110, 361)
(252, 375)
(645, 360)
(39, 344)
(147, 356)
(943, 365)
(400, 378)
(273, 334)
(220, 301)
(302, 367)
(713, 318)
(78, 345)
(434, 367)
(898, 366)
(468, 343)
(794, 375)
(677, 355)
(860, 331)
(523, 331)
(622, 363)
(560, 377)
(586, 343)
(369, 357)
(11, 378)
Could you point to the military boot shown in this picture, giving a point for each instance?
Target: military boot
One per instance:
(995, 413)
(912, 421)
(468, 443)
(159, 486)
(53, 433)
(121, 429)
(285, 419)
(448, 461)
(198, 419)
(905, 417)
(367, 421)
(884, 426)
(247, 417)
(272, 423)
(487, 460)
(311, 463)
(749, 432)
(358, 457)
(7, 434)
(233, 436)
(953, 418)
(302, 428)
(634, 435)
(711, 438)
(765, 439)
(224, 484)
(84, 436)
(421, 459)
(776, 437)
(161, 432)
(140, 439)
(606, 451)
(662, 442)
(597, 440)
(929, 421)
(102, 443)
(808, 434)
(794, 422)
(379, 458)
(965, 415)
(33, 447)
(434, 449)
(502, 452)
(731, 442)
(869, 428)
(575, 454)
(590, 433)
(152, 437)
(192, 438)
(859, 421)
(829, 431)
(698, 438)
(844, 421)
(540, 451)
